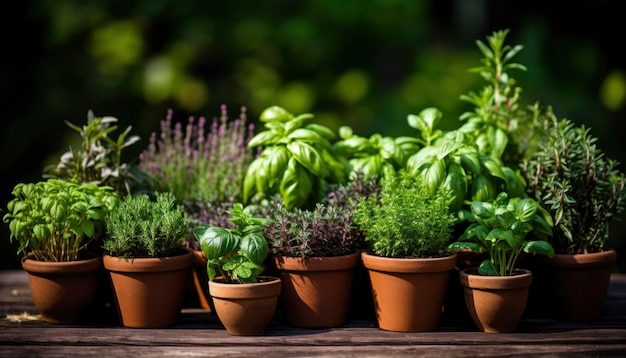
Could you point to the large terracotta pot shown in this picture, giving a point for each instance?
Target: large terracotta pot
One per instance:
(245, 309)
(496, 303)
(63, 292)
(578, 284)
(316, 291)
(408, 294)
(149, 292)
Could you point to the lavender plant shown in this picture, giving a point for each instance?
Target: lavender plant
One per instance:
(202, 165)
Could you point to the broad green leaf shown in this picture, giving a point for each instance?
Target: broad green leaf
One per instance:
(392, 151)
(463, 245)
(525, 209)
(482, 189)
(275, 113)
(308, 157)
(254, 246)
(456, 184)
(249, 181)
(217, 242)
(264, 138)
(470, 162)
(493, 166)
(486, 268)
(431, 117)
(275, 164)
(539, 247)
(434, 175)
(296, 185)
(323, 131)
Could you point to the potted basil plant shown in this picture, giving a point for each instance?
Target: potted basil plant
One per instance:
(497, 291)
(243, 298)
(58, 225)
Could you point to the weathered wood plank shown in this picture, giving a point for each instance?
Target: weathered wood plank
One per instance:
(199, 333)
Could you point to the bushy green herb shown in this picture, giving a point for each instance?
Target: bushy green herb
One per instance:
(141, 227)
(405, 219)
(236, 254)
(55, 220)
(582, 188)
(500, 228)
(99, 158)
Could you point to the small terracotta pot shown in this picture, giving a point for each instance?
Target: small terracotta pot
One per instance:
(578, 284)
(316, 291)
(495, 303)
(245, 309)
(63, 292)
(408, 293)
(149, 292)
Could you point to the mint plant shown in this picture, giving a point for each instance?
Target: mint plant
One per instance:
(238, 253)
(500, 228)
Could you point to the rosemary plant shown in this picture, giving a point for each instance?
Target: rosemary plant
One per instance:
(581, 187)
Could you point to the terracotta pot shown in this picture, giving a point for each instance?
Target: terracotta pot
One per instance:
(149, 291)
(63, 292)
(201, 279)
(408, 294)
(245, 309)
(316, 291)
(496, 303)
(578, 284)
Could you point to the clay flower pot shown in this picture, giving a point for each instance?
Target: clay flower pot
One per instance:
(245, 309)
(495, 303)
(408, 293)
(578, 284)
(63, 292)
(149, 292)
(316, 291)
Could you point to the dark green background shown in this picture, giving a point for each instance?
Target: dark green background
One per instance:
(364, 63)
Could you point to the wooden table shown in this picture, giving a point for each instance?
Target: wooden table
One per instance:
(199, 334)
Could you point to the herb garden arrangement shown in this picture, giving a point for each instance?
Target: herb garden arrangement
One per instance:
(512, 182)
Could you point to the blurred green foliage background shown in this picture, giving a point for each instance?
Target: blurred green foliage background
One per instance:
(364, 63)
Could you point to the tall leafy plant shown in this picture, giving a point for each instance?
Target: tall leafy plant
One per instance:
(296, 162)
(99, 159)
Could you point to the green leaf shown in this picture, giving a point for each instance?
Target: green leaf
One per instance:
(275, 113)
(487, 268)
(308, 157)
(217, 242)
(254, 246)
(525, 209)
(323, 131)
(539, 247)
(296, 185)
(434, 175)
(265, 138)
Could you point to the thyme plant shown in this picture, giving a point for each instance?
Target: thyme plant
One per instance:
(404, 219)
